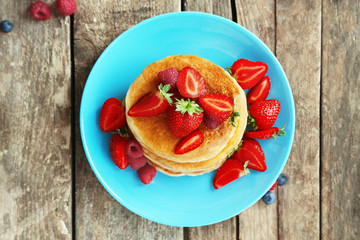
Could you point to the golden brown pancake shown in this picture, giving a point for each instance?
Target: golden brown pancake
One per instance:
(153, 132)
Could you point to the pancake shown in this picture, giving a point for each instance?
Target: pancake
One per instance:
(153, 132)
(207, 165)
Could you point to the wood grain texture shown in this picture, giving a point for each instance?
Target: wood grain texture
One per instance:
(98, 215)
(340, 176)
(225, 229)
(260, 220)
(35, 116)
(298, 47)
(217, 7)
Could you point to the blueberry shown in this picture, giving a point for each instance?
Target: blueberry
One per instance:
(6, 26)
(269, 198)
(282, 179)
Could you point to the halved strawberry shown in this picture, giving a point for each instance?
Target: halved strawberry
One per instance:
(184, 117)
(117, 151)
(190, 83)
(251, 151)
(152, 104)
(190, 142)
(112, 115)
(265, 112)
(217, 106)
(260, 91)
(248, 73)
(265, 134)
(231, 170)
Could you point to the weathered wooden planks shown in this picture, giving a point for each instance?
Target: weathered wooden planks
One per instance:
(98, 215)
(340, 111)
(225, 229)
(260, 220)
(35, 116)
(298, 48)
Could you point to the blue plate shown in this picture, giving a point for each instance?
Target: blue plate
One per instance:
(181, 201)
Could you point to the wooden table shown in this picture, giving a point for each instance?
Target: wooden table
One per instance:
(47, 188)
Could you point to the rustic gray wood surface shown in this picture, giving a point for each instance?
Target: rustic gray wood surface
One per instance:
(48, 190)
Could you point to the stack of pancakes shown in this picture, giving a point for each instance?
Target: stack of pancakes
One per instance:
(153, 132)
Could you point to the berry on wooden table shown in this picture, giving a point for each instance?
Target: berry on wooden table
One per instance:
(66, 7)
(6, 26)
(269, 198)
(282, 180)
(40, 11)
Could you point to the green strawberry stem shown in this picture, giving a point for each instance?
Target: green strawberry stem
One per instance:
(164, 92)
(188, 106)
(251, 121)
(246, 170)
(229, 70)
(124, 131)
(280, 133)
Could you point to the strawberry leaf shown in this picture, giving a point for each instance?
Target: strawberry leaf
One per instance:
(246, 170)
(251, 122)
(235, 149)
(124, 131)
(164, 92)
(229, 70)
(232, 118)
(188, 106)
(280, 133)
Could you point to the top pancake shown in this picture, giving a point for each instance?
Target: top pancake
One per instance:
(153, 132)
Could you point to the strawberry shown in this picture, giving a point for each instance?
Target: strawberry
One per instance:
(190, 83)
(260, 91)
(117, 151)
(265, 134)
(112, 115)
(190, 142)
(274, 186)
(152, 103)
(184, 117)
(66, 7)
(231, 170)
(251, 151)
(248, 73)
(217, 106)
(264, 113)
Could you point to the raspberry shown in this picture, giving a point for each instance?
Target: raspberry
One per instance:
(40, 11)
(169, 76)
(66, 7)
(133, 149)
(146, 174)
(136, 163)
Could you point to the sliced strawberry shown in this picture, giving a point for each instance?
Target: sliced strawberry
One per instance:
(152, 104)
(184, 117)
(251, 151)
(274, 186)
(265, 112)
(117, 151)
(263, 134)
(190, 83)
(217, 106)
(231, 170)
(190, 142)
(248, 73)
(112, 115)
(260, 91)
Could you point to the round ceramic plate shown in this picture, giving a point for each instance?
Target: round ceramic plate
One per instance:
(181, 201)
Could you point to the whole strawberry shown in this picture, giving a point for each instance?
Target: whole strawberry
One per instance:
(184, 117)
(265, 112)
(66, 7)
